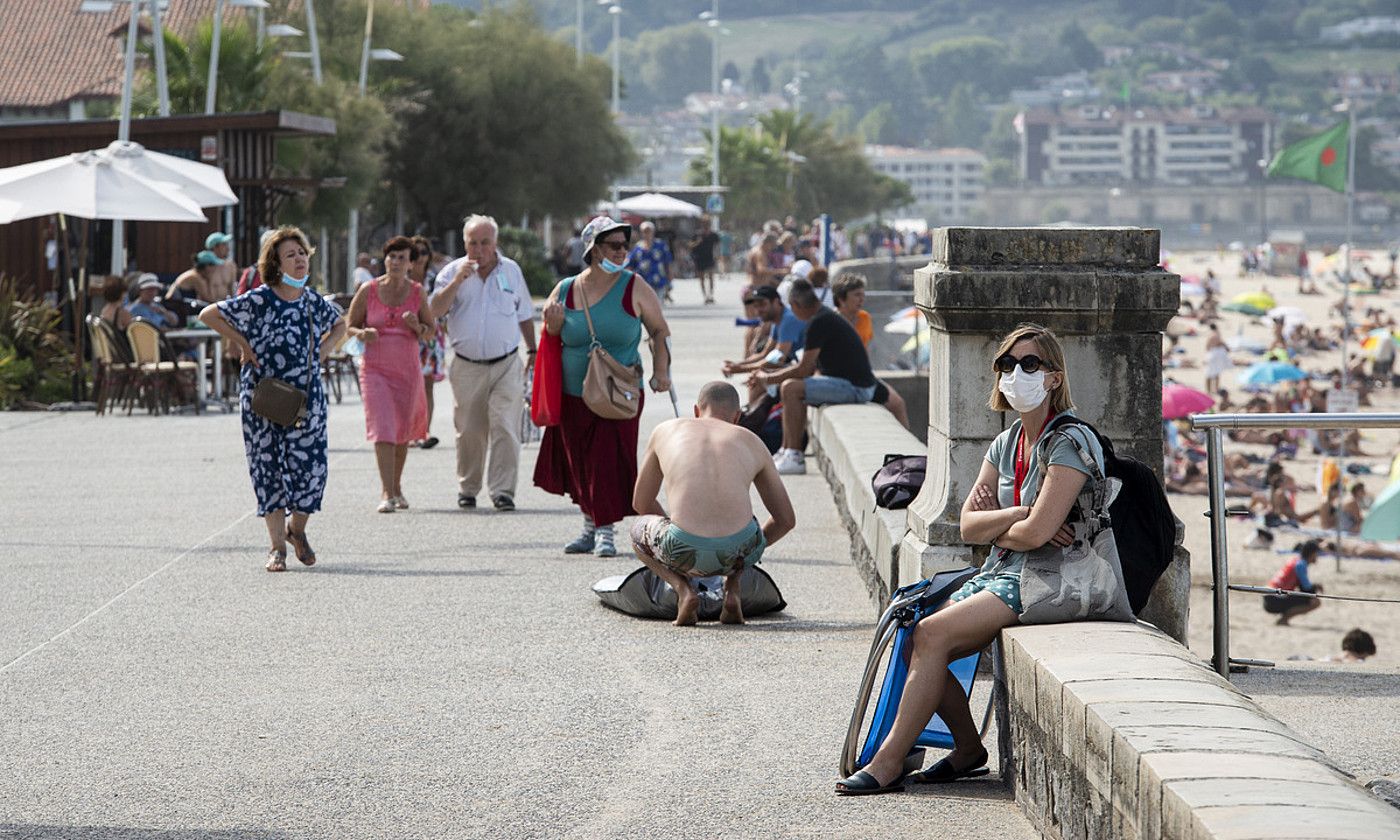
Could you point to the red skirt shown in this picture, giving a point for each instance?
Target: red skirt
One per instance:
(592, 459)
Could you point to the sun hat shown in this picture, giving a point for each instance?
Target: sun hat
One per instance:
(216, 239)
(149, 281)
(204, 258)
(801, 269)
(598, 227)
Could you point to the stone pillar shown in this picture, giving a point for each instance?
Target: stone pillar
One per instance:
(1102, 292)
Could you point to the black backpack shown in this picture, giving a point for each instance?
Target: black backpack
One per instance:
(1144, 527)
(898, 481)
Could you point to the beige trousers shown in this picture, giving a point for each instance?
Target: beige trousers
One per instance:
(487, 401)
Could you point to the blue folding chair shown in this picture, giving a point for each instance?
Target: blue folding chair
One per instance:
(895, 632)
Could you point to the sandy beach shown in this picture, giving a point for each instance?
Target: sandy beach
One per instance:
(1254, 633)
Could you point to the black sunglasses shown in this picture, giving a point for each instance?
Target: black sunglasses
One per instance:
(1030, 363)
(613, 244)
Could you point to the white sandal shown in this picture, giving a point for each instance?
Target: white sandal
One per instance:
(387, 506)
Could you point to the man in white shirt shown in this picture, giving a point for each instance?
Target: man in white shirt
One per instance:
(488, 310)
(362, 274)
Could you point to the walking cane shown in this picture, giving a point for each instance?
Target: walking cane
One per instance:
(670, 357)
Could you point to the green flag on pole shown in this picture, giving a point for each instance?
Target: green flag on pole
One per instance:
(1321, 159)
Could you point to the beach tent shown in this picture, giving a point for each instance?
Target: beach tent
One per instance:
(1382, 521)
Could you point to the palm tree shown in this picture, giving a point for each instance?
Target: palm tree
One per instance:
(245, 70)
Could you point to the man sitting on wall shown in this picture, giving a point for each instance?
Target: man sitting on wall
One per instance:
(834, 369)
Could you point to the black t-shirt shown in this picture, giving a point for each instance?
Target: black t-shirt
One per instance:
(842, 352)
(704, 250)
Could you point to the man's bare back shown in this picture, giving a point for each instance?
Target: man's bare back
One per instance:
(708, 466)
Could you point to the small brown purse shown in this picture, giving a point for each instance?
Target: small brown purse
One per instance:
(281, 402)
(611, 389)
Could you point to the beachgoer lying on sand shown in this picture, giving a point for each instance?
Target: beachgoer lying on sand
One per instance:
(708, 464)
(1357, 644)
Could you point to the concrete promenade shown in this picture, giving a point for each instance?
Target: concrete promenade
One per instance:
(438, 674)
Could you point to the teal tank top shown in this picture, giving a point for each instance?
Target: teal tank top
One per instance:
(618, 332)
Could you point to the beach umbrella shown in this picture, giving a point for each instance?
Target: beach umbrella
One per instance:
(1179, 326)
(1182, 401)
(1382, 521)
(906, 322)
(919, 339)
(1289, 314)
(1268, 373)
(1244, 344)
(1259, 300)
(1375, 337)
(1243, 308)
(1190, 289)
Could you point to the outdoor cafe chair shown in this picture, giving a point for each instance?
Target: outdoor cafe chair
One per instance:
(340, 363)
(112, 374)
(157, 378)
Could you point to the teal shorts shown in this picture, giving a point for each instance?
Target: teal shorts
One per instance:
(1006, 585)
(696, 556)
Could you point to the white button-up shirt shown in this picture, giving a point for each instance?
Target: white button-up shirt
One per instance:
(484, 319)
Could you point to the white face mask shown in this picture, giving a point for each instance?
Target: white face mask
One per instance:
(1025, 391)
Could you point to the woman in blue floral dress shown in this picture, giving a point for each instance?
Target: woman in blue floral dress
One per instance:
(282, 329)
(651, 259)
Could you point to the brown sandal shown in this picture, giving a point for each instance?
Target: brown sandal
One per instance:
(276, 561)
(302, 547)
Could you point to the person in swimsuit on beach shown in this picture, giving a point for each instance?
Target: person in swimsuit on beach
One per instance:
(708, 463)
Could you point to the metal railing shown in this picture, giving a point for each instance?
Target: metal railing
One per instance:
(1215, 426)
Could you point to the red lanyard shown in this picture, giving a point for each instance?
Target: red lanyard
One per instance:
(1022, 467)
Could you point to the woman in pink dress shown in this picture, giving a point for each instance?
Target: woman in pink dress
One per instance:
(390, 315)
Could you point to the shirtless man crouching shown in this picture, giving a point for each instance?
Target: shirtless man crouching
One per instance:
(708, 464)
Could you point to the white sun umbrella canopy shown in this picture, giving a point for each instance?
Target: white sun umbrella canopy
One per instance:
(658, 205)
(88, 185)
(204, 183)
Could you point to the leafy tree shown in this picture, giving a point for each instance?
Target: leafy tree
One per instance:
(730, 71)
(795, 164)
(962, 122)
(975, 60)
(498, 119)
(1076, 46)
(1160, 29)
(245, 72)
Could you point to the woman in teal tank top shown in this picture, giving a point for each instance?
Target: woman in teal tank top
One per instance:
(591, 458)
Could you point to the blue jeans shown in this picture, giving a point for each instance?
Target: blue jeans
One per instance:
(832, 390)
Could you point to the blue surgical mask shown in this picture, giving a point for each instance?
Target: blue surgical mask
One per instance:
(295, 282)
(611, 267)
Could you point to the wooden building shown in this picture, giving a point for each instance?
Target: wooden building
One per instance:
(243, 145)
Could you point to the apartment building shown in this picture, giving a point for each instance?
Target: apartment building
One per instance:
(948, 184)
(1093, 144)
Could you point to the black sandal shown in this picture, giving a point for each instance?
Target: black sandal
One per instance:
(276, 561)
(862, 783)
(303, 548)
(943, 772)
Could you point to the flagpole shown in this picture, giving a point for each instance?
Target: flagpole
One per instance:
(1346, 312)
(1346, 258)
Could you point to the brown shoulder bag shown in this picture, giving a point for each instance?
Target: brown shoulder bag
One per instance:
(281, 402)
(611, 389)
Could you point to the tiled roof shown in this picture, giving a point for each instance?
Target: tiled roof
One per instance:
(51, 53)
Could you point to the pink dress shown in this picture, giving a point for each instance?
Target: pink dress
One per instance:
(391, 378)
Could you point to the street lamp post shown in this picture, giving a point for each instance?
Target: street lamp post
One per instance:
(211, 89)
(616, 11)
(578, 33)
(366, 54)
(1263, 164)
(158, 38)
(712, 20)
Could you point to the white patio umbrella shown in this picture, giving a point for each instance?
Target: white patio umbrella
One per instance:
(658, 205)
(91, 186)
(204, 183)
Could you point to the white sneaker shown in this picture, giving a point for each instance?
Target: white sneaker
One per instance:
(791, 463)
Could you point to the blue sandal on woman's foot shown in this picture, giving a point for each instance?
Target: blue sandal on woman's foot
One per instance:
(943, 772)
(863, 783)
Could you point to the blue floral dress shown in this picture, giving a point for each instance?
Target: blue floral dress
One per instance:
(650, 263)
(287, 465)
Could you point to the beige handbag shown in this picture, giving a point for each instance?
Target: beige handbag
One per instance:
(611, 389)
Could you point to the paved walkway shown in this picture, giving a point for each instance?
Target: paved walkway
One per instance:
(438, 674)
